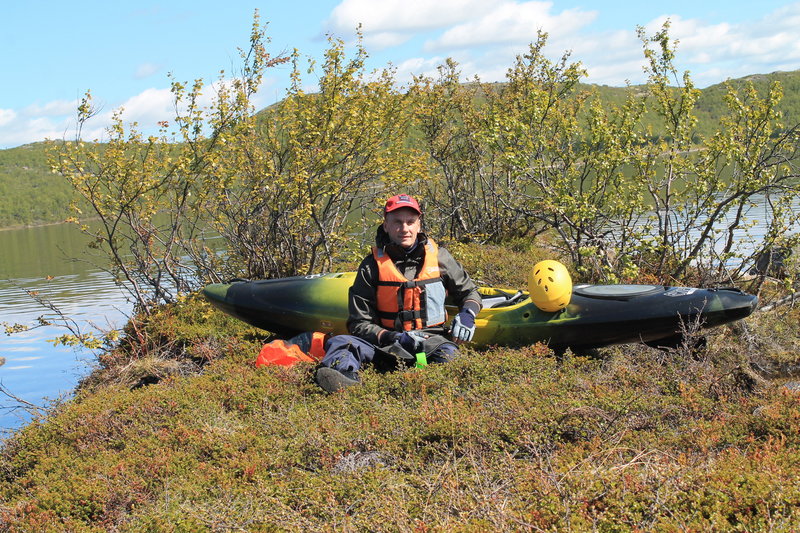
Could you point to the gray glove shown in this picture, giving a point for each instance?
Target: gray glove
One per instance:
(463, 327)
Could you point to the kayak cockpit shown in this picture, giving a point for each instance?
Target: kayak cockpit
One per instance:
(493, 298)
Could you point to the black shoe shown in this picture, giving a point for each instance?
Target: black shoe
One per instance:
(332, 380)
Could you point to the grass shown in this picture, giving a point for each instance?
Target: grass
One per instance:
(177, 431)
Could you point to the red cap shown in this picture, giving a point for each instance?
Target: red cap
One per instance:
(401, 200)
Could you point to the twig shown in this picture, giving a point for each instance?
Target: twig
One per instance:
(25, 405)
(783, 301)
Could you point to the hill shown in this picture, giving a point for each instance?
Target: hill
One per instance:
(710, 105)
(31, 194)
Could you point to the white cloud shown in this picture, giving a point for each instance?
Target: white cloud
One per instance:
(145, 70)
(418, 66)
(786, 18)
(7, 116)
(18, 129)
(714, 52)
(56, 108)
(616, 73)
(465, 22)
(711, 52)
(57, 120)
(385, 39)
(694, 37)
(486, 37)
(394, 16)
(148, 107)
(36, 122)
(513, 22)
(610, 45)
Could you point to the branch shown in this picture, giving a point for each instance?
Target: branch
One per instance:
(783, 301)
(32, 409)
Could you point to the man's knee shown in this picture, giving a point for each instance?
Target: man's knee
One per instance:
(444, 353)
(347, 352)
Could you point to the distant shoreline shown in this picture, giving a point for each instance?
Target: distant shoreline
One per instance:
(34, 225)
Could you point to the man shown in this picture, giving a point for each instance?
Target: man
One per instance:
(398, 299)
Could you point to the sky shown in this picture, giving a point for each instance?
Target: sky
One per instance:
(123, 52)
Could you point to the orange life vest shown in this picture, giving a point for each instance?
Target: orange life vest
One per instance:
(405, 304)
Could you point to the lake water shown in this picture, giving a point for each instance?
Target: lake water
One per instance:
(34, 369)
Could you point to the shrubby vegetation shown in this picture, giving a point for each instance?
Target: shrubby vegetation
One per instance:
(293, 179)
(624, 190)
(280, 189)
(630, 188)
(501, 440)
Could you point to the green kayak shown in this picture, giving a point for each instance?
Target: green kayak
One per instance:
(597, 315)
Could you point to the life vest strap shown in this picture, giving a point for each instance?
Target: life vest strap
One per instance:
(409, 284)
(401, 317)
(405, 316)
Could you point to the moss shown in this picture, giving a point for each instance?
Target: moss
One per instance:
(630, 438)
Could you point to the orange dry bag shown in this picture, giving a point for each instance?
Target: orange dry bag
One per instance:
(288, 353)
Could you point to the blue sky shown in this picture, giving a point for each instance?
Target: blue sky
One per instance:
(54, 51)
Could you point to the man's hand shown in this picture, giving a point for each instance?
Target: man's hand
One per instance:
(411, 341)
(463, 327)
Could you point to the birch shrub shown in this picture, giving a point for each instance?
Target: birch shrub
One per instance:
(282, 188)
(624, 199)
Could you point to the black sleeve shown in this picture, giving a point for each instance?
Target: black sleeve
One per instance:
(362, 306)
(459, 285)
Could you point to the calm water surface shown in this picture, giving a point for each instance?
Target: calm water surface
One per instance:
(34, 369)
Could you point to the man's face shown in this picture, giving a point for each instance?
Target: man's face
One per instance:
(402, 225)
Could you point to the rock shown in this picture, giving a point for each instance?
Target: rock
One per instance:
(362, 460)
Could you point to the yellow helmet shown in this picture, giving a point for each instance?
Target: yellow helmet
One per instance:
(550, 285)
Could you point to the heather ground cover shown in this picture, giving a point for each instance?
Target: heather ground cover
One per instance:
(177, 431)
